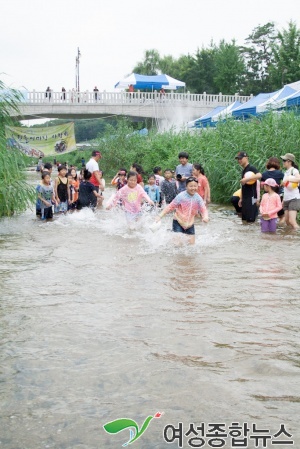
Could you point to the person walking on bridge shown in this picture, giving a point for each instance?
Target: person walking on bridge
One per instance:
(96, 90)
(48, 93)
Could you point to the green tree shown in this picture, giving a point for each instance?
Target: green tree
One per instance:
(150, 64)
(168, 65)
(183, 71)
(229, 68)
(259, 59)
(202, 70)
(286, 49)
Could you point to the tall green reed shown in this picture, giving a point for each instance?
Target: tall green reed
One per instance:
(15, 194)
(214, 148)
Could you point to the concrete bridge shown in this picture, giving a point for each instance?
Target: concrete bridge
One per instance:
(179, 107)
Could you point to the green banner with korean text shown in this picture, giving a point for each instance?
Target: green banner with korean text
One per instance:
(45, 141)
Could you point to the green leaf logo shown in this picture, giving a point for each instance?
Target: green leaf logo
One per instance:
(125, 423)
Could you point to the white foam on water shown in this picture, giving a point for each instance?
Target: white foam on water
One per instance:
(83, 218)
(114, 223)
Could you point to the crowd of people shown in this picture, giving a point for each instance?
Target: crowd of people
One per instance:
(74, 95)
(281, 198)
(186, 191)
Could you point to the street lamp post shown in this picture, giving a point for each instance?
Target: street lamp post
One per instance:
(77, 69)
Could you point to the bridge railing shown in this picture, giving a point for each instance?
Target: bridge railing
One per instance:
(120, 98)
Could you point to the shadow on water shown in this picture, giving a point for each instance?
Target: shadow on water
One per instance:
(99, 322)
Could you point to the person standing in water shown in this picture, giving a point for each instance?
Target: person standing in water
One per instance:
(273, 171)
(270, 206)
(61, 190)
(88, 194)
(168, 187)
(152, 189)
(119, 180)
(291, 194)
(46, 197)
(250, 193)
(183, 171)
(93, 167)
(187, 205)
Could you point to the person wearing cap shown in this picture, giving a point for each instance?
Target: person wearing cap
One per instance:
(291, 194)
(93, 167)
(270, 206)
(250, 193)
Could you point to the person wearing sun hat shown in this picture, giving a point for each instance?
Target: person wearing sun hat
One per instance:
(249, 192)
(270, 206)
(291, 194)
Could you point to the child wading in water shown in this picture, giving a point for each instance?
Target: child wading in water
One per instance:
(187, 205)
(61, 189)
(168, 187)
(132, 196)
(119, 180)
(46, 196)
(152, 189)
(203, 185)
(73, 188)
(88, 194)
(269, 206)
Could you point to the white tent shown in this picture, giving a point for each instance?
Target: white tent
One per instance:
(150, 82)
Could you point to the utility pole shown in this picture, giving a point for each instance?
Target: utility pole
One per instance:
(77, 69)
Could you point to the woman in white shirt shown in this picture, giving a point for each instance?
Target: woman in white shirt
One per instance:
(291, 193)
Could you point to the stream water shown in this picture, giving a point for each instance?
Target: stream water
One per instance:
(98, 323)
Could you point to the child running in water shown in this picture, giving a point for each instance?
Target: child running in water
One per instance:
(46, 196)
(132, 196)
(269, 206)
(187, 205)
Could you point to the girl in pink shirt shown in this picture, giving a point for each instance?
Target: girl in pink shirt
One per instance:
(269, 206)
(132, 197)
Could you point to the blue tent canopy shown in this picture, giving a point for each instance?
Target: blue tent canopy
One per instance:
(212, 117)
(226, 112)
(277, 101)
(293, 100)
(206, 119)
(249, 108)
(154, 82)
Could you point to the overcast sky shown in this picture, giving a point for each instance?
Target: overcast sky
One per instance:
(39, 39)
